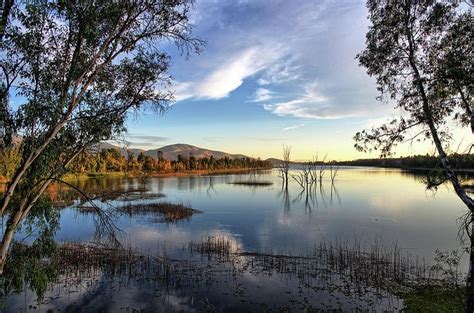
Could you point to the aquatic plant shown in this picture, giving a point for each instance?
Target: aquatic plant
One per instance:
(170, 212)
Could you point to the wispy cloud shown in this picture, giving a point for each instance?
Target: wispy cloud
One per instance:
(148, 138)
(142, 141)
(292, 127)
(280, 72)
(227, 77)
(312, 104)
(262, 94)
(183, 90)
(281, 46)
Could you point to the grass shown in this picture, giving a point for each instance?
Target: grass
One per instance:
(360, 275)
(122, 195)
(429, 297)
(384, 269)
(81, 176)
(212, 245)
(170, 212)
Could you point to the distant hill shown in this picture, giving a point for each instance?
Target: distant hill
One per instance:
(123, 150)
(171, 152)
(275, 162)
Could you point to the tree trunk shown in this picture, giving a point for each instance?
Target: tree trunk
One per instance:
(458, 188)
(22, 212)
(12, 225)
(6, 241)
(469, 308)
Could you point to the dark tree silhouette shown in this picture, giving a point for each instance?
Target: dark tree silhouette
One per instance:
(421, 54)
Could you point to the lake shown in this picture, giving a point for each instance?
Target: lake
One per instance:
(364, 207)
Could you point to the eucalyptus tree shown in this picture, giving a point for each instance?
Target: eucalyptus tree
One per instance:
(421, 54)
(76, 69)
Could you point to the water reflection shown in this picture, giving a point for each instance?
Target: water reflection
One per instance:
(310, 198)
(358, 201)
(230, 281)
(210, 189)
(390, 204)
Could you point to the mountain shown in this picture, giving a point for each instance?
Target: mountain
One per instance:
(122, 149)
(274, 161)
(171, 152)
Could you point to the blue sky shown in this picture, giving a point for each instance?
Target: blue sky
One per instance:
(272, 73)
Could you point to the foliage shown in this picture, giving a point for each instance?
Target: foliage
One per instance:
(443, 295)
(31, 263)
(78, 69)
(110, 160)
(10, 159)
(420, 53)
(431, 298)
(413, 44)
(460, 161)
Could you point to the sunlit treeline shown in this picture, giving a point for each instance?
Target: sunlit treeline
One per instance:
(111, 160)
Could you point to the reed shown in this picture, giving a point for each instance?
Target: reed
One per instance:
(212, 246)
(362, 273)
(170, 212)
(372, 264)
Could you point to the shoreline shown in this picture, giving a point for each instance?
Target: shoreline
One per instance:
(423, 169)
(69, 177)
(82, 176)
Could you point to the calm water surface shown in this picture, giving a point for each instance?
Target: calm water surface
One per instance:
(391, 206)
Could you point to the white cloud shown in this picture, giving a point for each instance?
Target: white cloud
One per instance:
(285, 45)
(279, 73)
(262, 94)
(293, 127)
(228, 76)
(312, 104)
(182, 90)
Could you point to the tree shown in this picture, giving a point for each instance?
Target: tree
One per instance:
(284, 166)
(130, 160)
(141, 157)
(160, 155)
(79, 67)
(420, 53)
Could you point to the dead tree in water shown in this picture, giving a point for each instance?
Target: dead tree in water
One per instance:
(299, 178)
(333, 169)
(285, 165)
(322, 169)
(304, 177)
(306, 172)
(313, 174)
